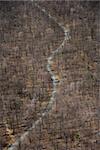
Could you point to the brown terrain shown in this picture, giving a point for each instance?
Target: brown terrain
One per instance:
(28, 37)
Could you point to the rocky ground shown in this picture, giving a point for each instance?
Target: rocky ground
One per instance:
(27, 39)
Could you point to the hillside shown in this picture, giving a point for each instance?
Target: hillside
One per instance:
(49, 75)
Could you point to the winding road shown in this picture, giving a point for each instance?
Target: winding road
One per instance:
(53, 77)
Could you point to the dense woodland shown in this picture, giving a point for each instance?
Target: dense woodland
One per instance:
(28, 37)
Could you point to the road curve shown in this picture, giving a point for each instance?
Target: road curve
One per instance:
(53, 77)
